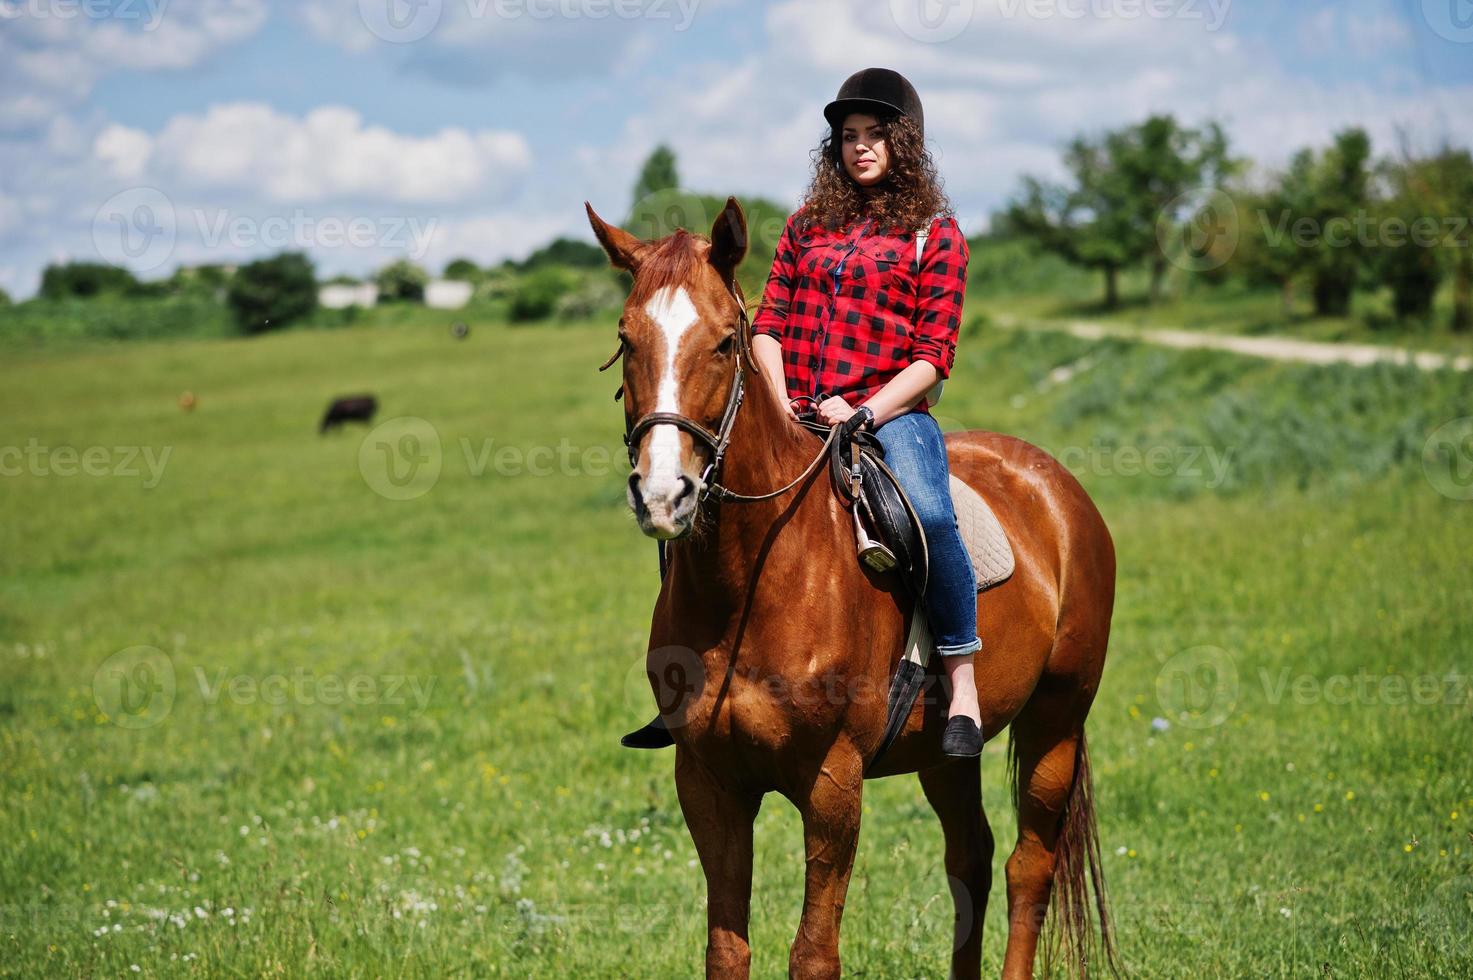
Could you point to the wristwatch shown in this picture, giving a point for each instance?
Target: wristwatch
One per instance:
(868, 424)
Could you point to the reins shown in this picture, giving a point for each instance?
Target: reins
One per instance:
(718, 441)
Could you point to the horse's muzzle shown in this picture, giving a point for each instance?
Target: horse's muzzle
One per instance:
(664, 508)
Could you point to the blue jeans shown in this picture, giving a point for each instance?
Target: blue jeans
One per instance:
(916, 454)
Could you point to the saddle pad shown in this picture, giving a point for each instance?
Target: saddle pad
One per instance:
(987, 543)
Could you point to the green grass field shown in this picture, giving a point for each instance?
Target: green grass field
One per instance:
(258, 716)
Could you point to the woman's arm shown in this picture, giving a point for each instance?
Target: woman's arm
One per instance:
(769, 353)
(902, 392)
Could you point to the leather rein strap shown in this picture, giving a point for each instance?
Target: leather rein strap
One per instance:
(717, 441)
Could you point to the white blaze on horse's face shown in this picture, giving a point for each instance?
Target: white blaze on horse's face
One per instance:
(664, 500)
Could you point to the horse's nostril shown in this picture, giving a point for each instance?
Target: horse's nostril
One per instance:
(687, 487)
(634, 486)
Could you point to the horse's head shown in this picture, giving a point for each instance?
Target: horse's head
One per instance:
(680, 335)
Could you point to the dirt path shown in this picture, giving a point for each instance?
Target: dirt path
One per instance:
(1273, 348)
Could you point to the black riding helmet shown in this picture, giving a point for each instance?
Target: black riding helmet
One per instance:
(881, 91)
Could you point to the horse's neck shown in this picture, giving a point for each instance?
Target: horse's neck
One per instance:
(766, 452)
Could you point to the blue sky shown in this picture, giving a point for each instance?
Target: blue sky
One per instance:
(160, 132)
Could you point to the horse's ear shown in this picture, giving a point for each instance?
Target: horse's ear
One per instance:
(728, 239)
(625, 250)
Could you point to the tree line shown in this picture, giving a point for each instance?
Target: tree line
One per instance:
(1158, 195)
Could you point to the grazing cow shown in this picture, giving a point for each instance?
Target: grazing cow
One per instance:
(349, 408)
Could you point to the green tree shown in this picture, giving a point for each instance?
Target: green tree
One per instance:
(1446, 181)
(271, 293)
(84, 280)
(565, 251)
(462, 269)
(1408, 256)
(658, 174)
(1123, 186)
(401, 281)
(1276, 236)
(1166, 169)
(4, 298)
(1341, 204)
(1090, 223)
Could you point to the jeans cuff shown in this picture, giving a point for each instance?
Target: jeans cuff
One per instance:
(960, 649)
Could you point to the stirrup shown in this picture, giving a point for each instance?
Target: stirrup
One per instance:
(871, 552)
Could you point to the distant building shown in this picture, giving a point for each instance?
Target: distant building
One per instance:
(447, 294)
(337, 296)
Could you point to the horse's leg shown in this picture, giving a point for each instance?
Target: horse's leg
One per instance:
(955, 793)
(1045, 741)
(720, 821)
(830, 807)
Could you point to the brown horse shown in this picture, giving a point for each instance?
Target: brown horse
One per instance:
(785, 643)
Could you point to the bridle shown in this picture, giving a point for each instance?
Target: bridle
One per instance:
(717, 441)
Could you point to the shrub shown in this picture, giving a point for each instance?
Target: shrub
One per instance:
(84, 279)
(401, 281)
(271, 293)
(536, 294)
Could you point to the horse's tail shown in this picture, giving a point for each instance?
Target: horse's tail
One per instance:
(1077, 872)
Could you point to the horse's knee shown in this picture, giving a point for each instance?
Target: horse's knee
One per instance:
(728, 956)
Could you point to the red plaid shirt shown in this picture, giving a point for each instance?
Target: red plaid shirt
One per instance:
(851, 340)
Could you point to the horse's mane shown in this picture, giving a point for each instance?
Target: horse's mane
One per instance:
(672, 263)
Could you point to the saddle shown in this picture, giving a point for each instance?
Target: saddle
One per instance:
(875, 495)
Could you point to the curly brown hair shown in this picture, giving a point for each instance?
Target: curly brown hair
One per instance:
(908, 197)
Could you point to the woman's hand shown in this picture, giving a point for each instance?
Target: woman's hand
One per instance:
(833, 410)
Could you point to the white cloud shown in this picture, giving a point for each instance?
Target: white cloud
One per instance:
(328, 155)
(53, 55)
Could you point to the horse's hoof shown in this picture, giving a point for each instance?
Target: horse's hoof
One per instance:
(962, 738)
(652, 736)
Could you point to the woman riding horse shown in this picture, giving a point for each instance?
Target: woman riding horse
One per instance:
(852, 325)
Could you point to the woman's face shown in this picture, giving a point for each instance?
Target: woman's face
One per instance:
(866, 157)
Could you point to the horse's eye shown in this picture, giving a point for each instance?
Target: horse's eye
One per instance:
(727, 343)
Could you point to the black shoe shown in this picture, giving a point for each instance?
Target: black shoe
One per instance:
(962, 738)
(652, 736)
